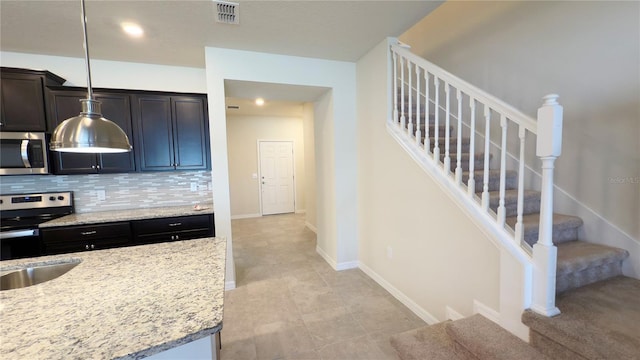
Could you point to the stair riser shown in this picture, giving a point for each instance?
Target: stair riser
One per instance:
(511, 182)
(423, 133)
(453, 146)
(531, 205)
(551, 348)
(588, 276)
(464, 164)
(559, 236)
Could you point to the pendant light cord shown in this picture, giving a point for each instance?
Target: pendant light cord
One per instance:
(86, 51)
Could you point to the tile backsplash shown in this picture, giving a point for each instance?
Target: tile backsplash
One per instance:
(121, 191)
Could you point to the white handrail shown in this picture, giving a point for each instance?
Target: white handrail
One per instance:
(498, 105)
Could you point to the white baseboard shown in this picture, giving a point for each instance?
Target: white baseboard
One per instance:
(335, 265)
(422, 313)
(484, 310)
(347, 265)
(311, 227)
(245, 216)
(229, 285)
(452, 314)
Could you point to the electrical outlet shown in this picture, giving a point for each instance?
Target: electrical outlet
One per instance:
(101, 195)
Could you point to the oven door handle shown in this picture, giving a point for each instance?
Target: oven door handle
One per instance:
(24, 153)
(19, 233)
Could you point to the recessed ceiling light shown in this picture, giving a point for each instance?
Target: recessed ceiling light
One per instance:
(259, 101)
(132, 29)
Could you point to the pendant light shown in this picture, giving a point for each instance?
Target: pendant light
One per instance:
(89, 132)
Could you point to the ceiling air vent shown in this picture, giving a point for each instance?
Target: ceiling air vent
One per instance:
(227, 12)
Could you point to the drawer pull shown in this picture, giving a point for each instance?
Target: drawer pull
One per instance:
(88, 232)
(175, 224)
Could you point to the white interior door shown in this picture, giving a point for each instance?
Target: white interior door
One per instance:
(276, 172)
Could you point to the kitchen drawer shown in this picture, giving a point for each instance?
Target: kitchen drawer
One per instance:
(172, 236)
(172, 225)
(63, 247)
(86, 233)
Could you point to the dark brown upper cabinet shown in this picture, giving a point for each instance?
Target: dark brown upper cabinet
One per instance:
(172, 132)
(115, 107)
(23, 101)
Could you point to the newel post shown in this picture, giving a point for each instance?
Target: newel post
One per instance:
(545, 254)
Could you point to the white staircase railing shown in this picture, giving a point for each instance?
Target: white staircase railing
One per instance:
(422, 99)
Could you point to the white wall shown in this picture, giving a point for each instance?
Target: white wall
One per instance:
(310, 166)
(243, 133)
(112, 74)
(413, 238)
(588, 53)
(334, 146)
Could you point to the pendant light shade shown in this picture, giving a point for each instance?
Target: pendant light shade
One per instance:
(89, 132)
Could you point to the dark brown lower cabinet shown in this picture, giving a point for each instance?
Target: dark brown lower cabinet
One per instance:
(69, 239)
(172, 229)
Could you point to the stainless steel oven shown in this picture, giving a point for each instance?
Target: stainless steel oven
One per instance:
(20, 215)
(23, 153)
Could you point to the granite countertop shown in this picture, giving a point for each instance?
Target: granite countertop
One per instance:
(124, 303)
(126, 215)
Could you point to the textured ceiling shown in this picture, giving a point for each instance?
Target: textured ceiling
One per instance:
(176, 32)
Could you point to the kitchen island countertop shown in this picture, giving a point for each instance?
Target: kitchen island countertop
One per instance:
(127, 215)
(123, 303)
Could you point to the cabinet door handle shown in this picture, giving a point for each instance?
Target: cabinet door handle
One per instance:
(177, 237)
(88, 232)
(93, 246)
(175, 224)
(98, 167)
(86, 247)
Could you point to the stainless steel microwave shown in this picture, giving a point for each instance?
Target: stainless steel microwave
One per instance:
(23, 153)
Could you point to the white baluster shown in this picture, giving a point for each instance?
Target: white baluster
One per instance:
(503, 170)
(436, 110)
(447, 135)
(545, 254)
(519, 229)
(410, 87)
(418, 131)
(402, 118)
(427, 120)
(487, 136)
(459, 145)
(395, 88)
(471, 184)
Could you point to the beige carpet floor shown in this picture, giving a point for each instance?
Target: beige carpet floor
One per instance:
(290, 304)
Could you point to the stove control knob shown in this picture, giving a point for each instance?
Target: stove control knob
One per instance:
(61, 197)
(52, 198)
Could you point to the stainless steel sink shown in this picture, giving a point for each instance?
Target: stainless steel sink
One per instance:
(34, 275)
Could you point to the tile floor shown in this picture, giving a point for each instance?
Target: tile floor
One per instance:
(290, 304)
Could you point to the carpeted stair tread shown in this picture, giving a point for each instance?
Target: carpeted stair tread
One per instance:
(486, 340)
(429, 342)
(531, 201)
(598, 321)
(511, 179)
(579, 255)
(581, 263)
(565, 227)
